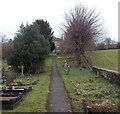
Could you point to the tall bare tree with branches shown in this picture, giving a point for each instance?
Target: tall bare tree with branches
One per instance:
(81, 29)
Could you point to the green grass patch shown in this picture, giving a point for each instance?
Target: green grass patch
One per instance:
(35, 100)
(86, 85)
(106, 59)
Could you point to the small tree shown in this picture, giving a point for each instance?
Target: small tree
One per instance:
(81, 30)
(30, 49)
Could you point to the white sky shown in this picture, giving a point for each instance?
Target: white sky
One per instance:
(14, 12)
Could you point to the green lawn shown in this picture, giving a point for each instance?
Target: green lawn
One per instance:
(88, 85)
(36, 100)
(106, 59)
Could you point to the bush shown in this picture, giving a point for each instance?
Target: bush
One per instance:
(30, 49)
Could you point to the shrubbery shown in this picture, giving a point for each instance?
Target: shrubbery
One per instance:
(30, 49)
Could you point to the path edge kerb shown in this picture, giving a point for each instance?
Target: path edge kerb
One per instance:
(70, 102)
(48, 95)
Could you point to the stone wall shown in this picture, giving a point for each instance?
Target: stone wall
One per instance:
(112, 76)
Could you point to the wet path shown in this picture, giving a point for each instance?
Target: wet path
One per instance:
(58, 100)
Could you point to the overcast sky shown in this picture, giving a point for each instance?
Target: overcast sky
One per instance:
(14, 12)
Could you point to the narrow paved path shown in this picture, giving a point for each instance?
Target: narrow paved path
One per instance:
(58, 100)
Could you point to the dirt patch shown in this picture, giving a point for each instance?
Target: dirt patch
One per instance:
(100, 106)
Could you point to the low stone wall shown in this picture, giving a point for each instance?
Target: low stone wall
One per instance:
(112, 76)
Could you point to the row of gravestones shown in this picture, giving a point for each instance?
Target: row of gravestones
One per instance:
(6, 80)
(12, 97)
(66, 67)
(15, 95)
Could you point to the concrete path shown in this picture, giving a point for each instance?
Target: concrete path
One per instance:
(58, 100)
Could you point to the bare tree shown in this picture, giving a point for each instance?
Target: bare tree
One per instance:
(7, 49)
(81, 30)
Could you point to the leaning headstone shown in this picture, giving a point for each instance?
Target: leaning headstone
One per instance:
(67, 70)
(65, 64)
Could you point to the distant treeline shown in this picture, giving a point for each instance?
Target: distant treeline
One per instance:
(103, 46)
